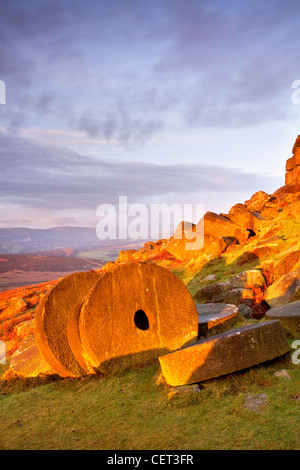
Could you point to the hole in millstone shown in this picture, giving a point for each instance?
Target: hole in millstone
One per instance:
(141, 320)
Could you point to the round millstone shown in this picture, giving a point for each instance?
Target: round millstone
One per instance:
(59, 304)
(134, 314)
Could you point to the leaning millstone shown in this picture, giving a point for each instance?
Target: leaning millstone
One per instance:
(133, 315)
(214, 318)
(27, 360)
(289, 317)
(225, 353)
(51, 322)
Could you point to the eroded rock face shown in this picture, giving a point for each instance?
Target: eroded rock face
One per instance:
(257, 201)
(284, 290)
(225, 353)
(134, 314)
(242, 216)
(292, 175)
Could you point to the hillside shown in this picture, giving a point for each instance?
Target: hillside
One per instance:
(250, 259)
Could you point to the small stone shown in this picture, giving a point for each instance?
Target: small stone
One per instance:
(184, 390)
(282, 373)
(210, 278)
(254, 402)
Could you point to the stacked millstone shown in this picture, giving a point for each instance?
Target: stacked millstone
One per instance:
(292, 175)
(90, 323)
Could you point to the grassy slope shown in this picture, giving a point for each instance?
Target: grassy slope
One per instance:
(133, 412)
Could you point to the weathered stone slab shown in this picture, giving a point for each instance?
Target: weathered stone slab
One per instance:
(215, 318)
(27, 361)
(289, 317)
(133, 315)
(52, 317)
(225, 353)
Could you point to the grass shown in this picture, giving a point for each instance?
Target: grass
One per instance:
(134, 411)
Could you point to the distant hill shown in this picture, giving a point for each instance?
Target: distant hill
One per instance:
(27, 240)
(43, 263)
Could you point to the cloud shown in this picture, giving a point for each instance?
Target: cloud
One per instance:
(64, 221)
(127, 71)
(55, 178)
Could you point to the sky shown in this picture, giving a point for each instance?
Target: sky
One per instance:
(161, 101)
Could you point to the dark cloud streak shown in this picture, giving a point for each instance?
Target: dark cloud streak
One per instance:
(50, 177)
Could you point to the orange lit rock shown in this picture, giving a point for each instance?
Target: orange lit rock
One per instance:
(292, 175)
(225, 353)
(134, 314)
(15, 308)
(284, 290)
(245, 218)
(294, 161)
(27, 360)
(218, 226)
(257, 201)
(210, 229)
(51, 322)
(126, 255)
(186, 243)
(221, 245)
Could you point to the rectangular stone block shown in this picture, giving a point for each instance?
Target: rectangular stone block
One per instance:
(293, 176)
(223, 354)
(291, 163)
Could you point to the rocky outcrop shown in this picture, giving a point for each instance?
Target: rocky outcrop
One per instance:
(235, 290)
(293, 165)
(212, 229)
(216, 318)
(284, 290)
(241, 215)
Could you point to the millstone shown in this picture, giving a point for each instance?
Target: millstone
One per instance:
(225, 353)
(134, 314)
(52, 318)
